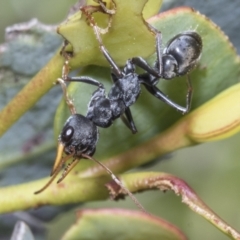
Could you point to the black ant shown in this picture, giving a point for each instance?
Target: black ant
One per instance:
(79, 135)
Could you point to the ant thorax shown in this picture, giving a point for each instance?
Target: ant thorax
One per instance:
(103, 110)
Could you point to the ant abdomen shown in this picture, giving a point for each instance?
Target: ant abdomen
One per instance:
(181, 54)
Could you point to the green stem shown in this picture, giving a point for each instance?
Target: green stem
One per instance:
(31, 93)
(174, 138)
(163, 181)
(72, 190)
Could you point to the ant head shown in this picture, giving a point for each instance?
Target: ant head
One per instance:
(181, 54)
(79, 136)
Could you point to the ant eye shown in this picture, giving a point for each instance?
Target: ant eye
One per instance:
(67, 134)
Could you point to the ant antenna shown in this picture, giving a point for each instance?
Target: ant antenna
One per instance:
(117, 181)
(71, 165)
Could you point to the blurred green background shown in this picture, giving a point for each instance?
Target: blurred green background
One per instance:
(212, 169)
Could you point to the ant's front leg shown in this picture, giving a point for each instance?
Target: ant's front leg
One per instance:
(85, 79)
(68, 100)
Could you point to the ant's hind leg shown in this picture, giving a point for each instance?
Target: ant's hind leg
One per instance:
(189, 93)
(160, 95)
(156, 71)
(128, 121)
(158, 39)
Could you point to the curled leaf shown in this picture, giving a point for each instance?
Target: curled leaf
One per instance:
(164, 181)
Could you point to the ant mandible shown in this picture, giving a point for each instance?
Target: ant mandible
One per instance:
(79, 135)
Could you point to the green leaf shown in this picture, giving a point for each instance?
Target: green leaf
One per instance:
(36, 43)
(120, 224)
(128, 36)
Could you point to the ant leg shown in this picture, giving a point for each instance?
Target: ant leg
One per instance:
(117, 71)
(140, 62)
(160, 95)
(158, 63)
(85, 79)
(128, 120)
(68, 100)
(189, 93)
